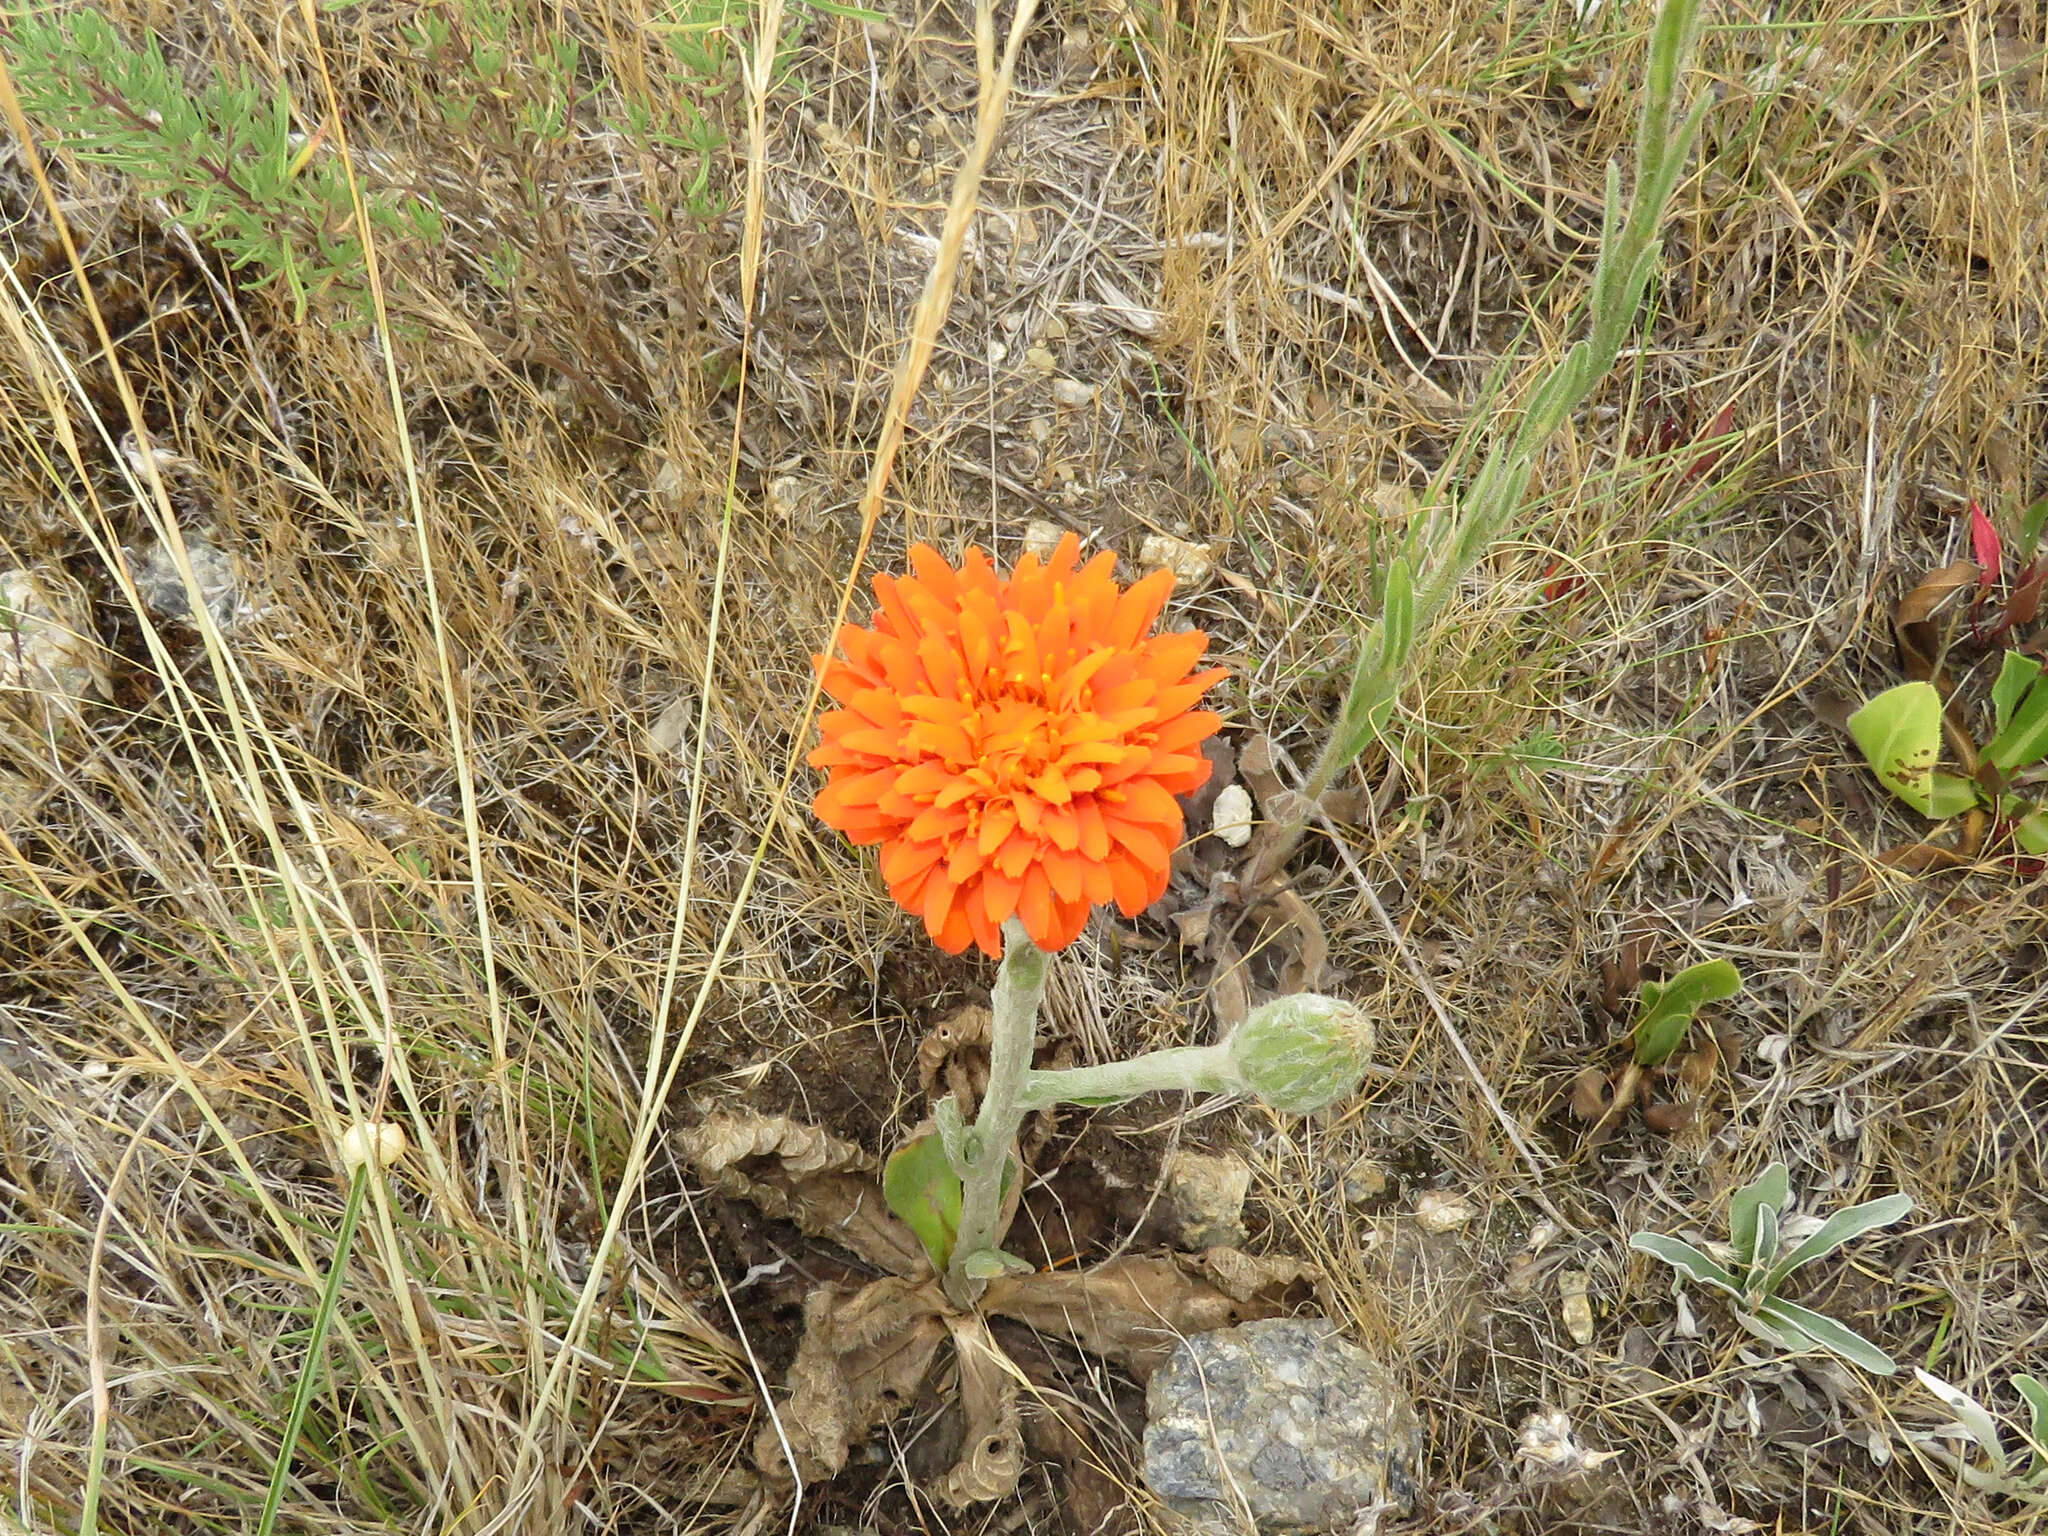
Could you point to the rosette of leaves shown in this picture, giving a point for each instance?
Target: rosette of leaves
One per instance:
(1901, 731)
(1757, 1261)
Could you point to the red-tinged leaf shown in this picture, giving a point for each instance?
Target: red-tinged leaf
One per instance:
(1558, 588)
(1722, 425)
(1984, 546)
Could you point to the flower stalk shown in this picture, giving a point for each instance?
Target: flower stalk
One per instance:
(1013, 1038)
(1184, 1069)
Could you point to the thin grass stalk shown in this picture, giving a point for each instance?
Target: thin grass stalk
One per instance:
(238, 755)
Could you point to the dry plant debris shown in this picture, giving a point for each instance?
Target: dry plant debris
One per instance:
(864, 1354)
(385, 841)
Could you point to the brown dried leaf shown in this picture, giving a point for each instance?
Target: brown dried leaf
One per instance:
(861, 1360)
(1132, 1310)
(2024, 606)
(1092, 1497)
(1667, 1119)
(1222, 774)
(1230, 997)
(953, 1058)
(1920, 638)
(1934, 589)
(992, 1447)
(1590, 1096)
(796, 1172)
(1833, 710)
(1302, 941)
(1922, 858)
(1255, 765)
(1249, 1278)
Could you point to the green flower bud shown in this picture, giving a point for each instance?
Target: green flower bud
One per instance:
(1303, 1052)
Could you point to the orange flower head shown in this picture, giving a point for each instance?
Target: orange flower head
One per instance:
(1015, 745)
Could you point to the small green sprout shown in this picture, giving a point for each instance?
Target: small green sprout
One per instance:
(1669, 1007)
(1758, 1262)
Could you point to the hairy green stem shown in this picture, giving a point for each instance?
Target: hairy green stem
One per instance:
(1187, 1068)
(1013, 1034)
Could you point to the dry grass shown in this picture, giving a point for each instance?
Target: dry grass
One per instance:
(462, 801)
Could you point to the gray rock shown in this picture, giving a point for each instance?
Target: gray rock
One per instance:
(1284, 1420)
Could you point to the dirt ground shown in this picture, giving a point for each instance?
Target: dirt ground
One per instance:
(422, 738)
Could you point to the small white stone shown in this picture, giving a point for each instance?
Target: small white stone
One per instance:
(1041, 538)
(1190, 563)
(367, 1142)
(1441, 1212)
(1072, 393)
(1231, 816)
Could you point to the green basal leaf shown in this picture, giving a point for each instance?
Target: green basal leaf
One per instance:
(1766, 1249)
(1899, 734)
(2030, 1388)
(1952, 795)
(2022, 739)
(1976, 1420)
(2032, 522)
(1842, 1227)
(1773, 1188)
(1669, 1007)
(1773, 1332)
(2015, 676)
(922, 1188)
(2030, 831)
(1828, 1334)
(1697, 1266)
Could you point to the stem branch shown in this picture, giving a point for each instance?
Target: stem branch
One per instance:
(1186, 1068)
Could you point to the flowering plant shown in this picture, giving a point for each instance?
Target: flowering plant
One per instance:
(1014, 745)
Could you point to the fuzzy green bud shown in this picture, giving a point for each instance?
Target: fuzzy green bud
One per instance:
(1302, 1053)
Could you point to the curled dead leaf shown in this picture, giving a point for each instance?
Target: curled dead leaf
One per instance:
(1132, 1310)
(1589, 1094)
(861, 1360)
(992, 1448)
(1922, 858)
(1921, 637)
(795, 1172)
(1230, 997)
(953, 1058)
(1302, 941)
(1668, 1119)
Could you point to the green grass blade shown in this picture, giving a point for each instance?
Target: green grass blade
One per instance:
(309, 1373)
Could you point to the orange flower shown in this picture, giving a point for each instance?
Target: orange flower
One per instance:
(1015, 745)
